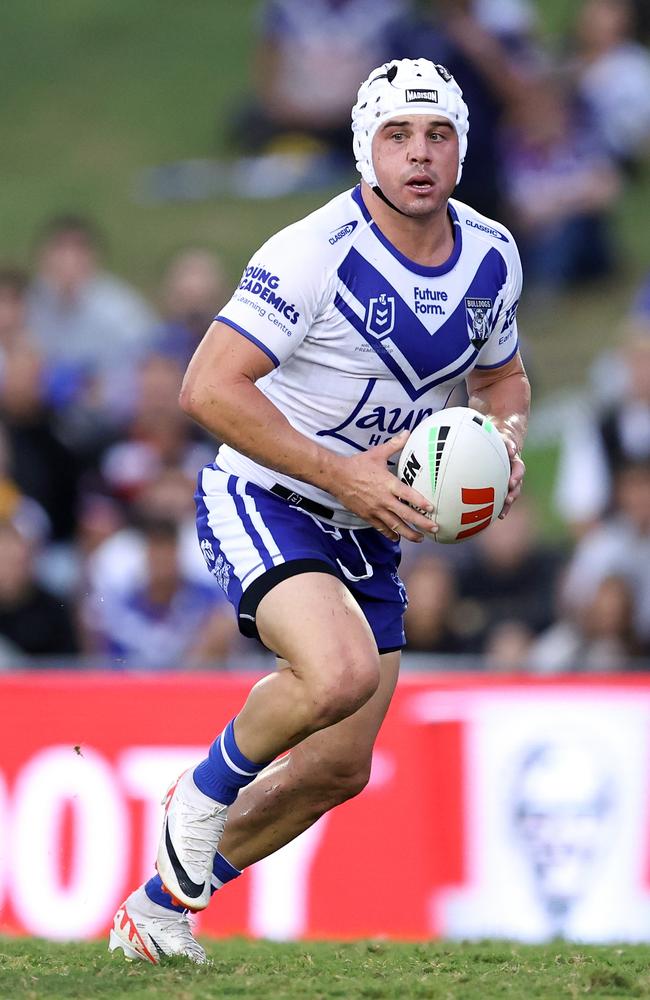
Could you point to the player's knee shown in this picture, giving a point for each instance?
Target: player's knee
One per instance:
(349, 779)
(345, 689)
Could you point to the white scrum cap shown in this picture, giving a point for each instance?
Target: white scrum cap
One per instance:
(405, 86)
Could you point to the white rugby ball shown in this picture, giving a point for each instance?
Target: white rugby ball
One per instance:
(458, 460)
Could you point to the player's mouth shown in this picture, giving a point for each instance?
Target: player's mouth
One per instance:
(420, 184)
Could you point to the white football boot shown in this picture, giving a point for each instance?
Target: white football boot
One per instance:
(146, 931)
(191, 833)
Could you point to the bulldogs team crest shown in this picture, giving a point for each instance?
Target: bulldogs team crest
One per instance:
(380, 318)
(479, 313)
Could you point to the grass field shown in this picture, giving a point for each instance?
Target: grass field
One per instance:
(35, 970)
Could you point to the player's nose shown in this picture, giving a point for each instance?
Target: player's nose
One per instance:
(419, 151)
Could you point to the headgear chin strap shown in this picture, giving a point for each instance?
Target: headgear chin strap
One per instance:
(405, 87)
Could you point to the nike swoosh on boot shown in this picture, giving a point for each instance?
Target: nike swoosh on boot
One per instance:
(190, 888)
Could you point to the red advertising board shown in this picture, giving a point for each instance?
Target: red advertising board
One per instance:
(496, 807)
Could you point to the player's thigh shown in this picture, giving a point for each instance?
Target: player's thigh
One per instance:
(343, 752)
(313, 622)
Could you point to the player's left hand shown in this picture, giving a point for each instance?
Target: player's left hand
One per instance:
(517, 469)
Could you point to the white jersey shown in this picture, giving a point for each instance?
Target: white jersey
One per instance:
(365, 342)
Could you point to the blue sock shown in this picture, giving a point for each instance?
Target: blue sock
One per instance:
(222, 870)
(225, 770)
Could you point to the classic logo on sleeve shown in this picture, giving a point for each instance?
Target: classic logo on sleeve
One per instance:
(478, 313)
(341, 232)
(488, 230)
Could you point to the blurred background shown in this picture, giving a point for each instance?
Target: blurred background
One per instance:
(147, 150)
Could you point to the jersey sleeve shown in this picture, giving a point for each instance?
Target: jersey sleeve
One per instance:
(503, 342)
(279, 294)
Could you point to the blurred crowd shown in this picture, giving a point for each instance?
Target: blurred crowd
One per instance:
(99, 562)
(554, 136)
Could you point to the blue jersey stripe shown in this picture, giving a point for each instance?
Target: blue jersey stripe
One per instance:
(499, 364)
(411, 265)
(249, 336)
(354, 320)
(390, 322)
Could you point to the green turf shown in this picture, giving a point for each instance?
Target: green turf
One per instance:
(31, 970)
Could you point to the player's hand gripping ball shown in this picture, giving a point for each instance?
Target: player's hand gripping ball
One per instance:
(458, 460)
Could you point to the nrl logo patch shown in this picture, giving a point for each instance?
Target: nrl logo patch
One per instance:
(380, 318)
(478, 313)
(422, 95)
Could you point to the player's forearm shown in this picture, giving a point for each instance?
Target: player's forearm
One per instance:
(507, 402)
(242, 417)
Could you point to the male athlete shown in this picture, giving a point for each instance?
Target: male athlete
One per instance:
(347, 328)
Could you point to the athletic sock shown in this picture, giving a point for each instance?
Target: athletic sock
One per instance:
(222, 871)
(156, 893)
(225, 770)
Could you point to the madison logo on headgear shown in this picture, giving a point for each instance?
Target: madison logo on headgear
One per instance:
(380, 318)
(478, 312)
(422, 95)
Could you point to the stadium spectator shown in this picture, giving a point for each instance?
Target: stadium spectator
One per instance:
(119, 559)
(513, 22)
(598, 440)
(310, 57)
(161, 620)
(507, 647)
(31, 618)
(561, 188)
(91, 326)
(22, 511)
(430, 619)
(491, 52)
(641, 15)
(158, 434)
(611, 70)
(40, 462)
(14, 282)
(509, 574)
(640, 312)
(599, 636)
(619, 547)
(193, 291)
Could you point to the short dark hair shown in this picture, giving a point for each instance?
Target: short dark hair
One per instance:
(14, 279)
(158, 529)
(71, 224)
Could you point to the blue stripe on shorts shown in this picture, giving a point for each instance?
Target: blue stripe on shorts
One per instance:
(252, 557)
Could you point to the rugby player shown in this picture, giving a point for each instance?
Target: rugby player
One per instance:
(347, 328)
